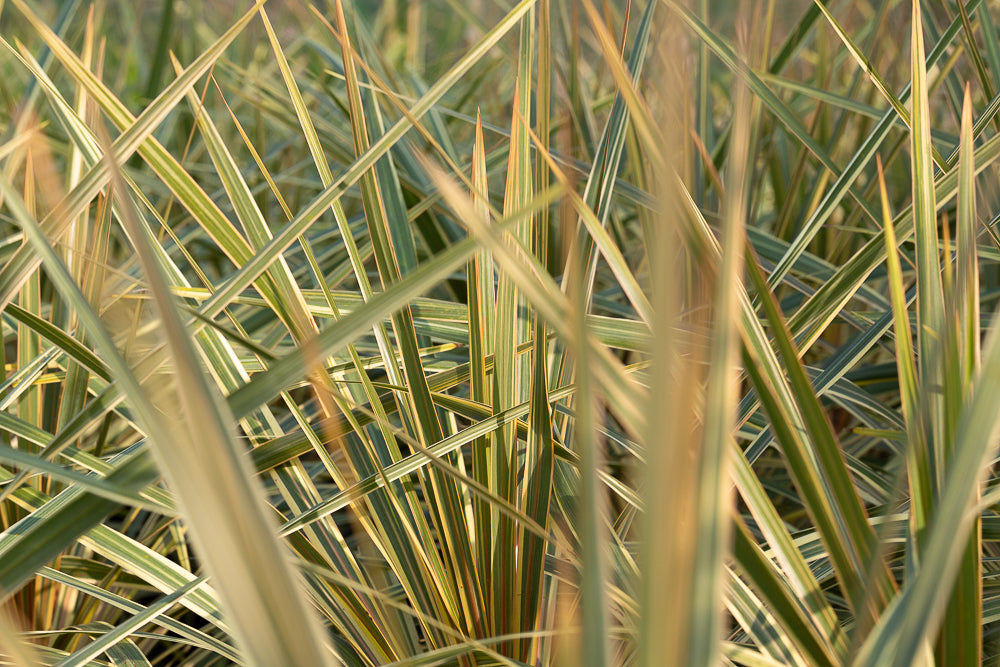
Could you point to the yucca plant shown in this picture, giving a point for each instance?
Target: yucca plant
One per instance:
(534, 333)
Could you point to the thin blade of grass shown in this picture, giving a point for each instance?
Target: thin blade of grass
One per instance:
(539, 454)
(591, 511)
(481, 299)
(512, 326)
(930, 298)
(961, 641)
(713, 505)
(921, 488)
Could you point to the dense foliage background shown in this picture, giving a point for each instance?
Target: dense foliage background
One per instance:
(477, 332)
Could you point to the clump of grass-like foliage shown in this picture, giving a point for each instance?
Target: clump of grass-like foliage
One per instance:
(490, 333)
